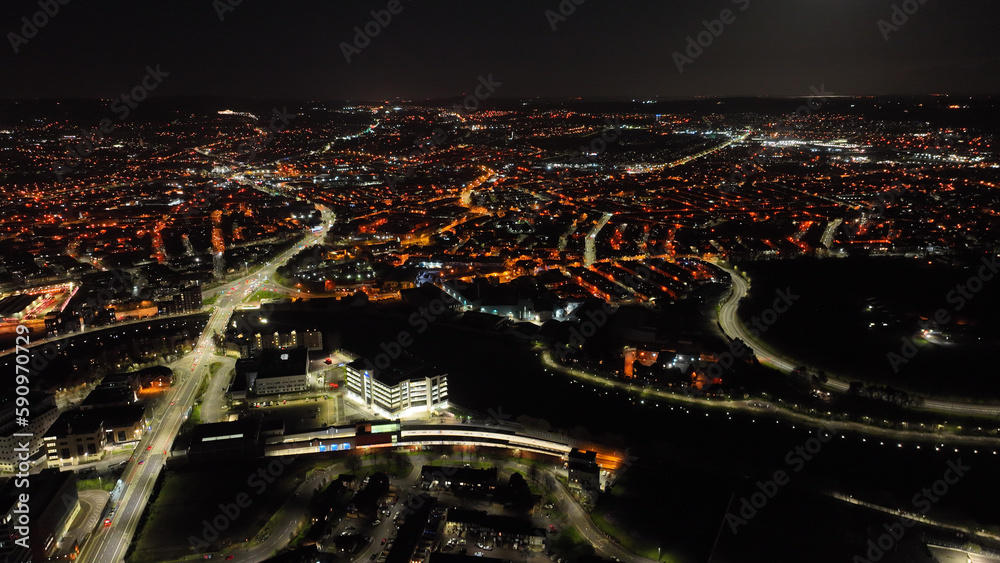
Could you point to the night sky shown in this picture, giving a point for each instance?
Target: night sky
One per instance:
(439, 48)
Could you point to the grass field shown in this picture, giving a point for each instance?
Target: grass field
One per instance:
(265, 294)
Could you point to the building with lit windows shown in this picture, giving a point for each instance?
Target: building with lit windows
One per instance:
(43, 412)
(583, 469)
(53, 505)
(81, 436)
(309, 339)
(404, 389)
(277, 370)
(495, 529)
(75, 437)
(186, 300)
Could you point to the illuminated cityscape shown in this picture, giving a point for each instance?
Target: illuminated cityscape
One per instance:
(430, 314)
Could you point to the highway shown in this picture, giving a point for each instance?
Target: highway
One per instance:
(733, 328)
(648, 168)
(111, 543)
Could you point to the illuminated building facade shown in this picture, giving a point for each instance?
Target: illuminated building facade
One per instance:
(397, 392)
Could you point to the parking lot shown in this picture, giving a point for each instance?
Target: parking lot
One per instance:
(373, 537)
(298, 413)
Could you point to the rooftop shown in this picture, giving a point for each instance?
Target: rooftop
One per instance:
(283, 362)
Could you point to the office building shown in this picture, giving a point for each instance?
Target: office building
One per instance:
(404, 389)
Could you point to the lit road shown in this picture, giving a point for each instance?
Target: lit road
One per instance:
(955, 555)
(590, 245)
(731, 325)
(893, 438)
(589, 531)
(979, 533)
(733, 328)
(111, 543)
(647, 168)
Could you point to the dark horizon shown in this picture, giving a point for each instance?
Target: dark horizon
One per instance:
(768, 48)
(512, 99)
(639, 263)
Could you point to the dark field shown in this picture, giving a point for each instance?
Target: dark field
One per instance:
(828, 326)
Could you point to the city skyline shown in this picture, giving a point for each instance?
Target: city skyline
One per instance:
(552, 281)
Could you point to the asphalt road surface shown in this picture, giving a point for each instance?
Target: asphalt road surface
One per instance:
(110, 544)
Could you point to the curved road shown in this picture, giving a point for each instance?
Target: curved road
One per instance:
(733, 328)
(760, 406)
